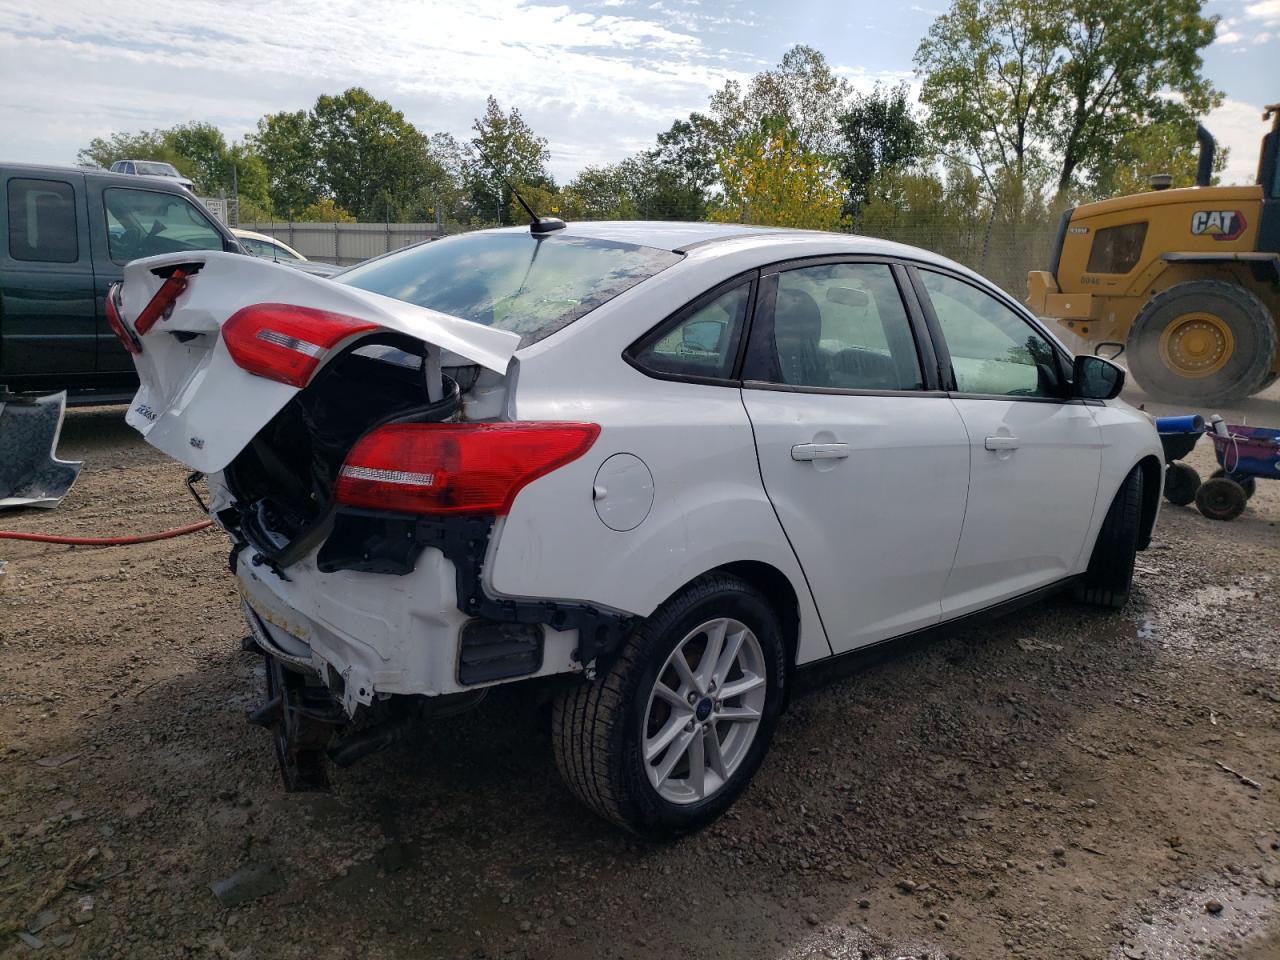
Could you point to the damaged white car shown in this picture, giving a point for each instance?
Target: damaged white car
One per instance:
(654, 467)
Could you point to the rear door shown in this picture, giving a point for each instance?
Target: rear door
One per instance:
(1036, 455)
(865, 460)
(46, 282)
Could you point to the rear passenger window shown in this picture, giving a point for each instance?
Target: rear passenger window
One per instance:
(702, 343)
(840, 326)
(42, 221)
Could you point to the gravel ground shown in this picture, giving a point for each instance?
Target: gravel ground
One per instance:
(1062, 783)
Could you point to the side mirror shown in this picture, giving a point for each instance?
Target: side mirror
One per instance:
(1093, 378)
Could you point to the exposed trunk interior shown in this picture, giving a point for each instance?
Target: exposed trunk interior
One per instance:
(283, 480)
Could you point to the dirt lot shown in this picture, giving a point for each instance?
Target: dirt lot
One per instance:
(1063, 783)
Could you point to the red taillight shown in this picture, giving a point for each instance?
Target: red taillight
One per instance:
(127, 339)
(164, 298)
(456, 467)
(284, 342)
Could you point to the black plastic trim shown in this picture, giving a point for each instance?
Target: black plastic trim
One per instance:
(1059, 240)
(939, 630)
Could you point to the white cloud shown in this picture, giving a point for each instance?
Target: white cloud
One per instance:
(76, 69)
(1266, 12)
(1238, 126)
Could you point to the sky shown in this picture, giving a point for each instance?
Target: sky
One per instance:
(598, 78)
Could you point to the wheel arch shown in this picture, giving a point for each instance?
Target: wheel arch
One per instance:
(775, 586)
(1152, 482)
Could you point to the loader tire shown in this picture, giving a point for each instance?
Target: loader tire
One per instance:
(1202, 342)
(1107, 580)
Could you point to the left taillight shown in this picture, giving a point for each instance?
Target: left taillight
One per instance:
(123, 334)
(451, 468)
(284, 342)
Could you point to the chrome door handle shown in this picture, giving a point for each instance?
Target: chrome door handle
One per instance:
(820, 451)
(1002, 443)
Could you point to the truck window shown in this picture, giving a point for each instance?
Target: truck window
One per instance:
(143, 223)
(1117, 249)
(42, 221)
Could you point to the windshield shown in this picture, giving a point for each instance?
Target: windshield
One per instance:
(511, 280)
(157, 169)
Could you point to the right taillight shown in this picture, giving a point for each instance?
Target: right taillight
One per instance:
(449, 468)
(284, 342)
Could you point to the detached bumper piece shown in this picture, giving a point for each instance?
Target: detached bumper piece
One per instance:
(30, 473)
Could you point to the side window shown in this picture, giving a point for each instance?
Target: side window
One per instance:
(143, 223)
(702, 343)
(1117, 249)
(42, 221)
(994, 351)
(838, 325)
(256, 247)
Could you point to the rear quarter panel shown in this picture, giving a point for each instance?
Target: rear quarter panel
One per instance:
(709, 505)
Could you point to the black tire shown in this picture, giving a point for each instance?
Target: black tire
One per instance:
(597, 726)
(1107, 580)
(1180, 483)
(1248, 484)
(1221, 499)
(1268, 381)
(1247, 368)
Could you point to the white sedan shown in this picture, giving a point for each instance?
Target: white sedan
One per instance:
(654, 467)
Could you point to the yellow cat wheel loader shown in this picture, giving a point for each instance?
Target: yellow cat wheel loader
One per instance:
(1187, 279)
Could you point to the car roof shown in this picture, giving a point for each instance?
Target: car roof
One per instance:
(39, 170)
(711, 238)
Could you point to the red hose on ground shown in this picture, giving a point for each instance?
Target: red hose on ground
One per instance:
(104, 541)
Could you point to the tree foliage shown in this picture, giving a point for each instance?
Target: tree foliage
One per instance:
(507, 153)
(881, 137)
(1041, 91)
(771, 178)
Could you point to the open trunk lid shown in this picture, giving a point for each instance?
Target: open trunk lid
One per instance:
(197, 405)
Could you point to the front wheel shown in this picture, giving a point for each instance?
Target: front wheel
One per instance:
(1107, 580)
(663, 743)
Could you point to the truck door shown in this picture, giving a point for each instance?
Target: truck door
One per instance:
(130, 223)
(46, 282)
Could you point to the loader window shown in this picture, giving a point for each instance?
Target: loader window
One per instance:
(42, 221)
(1117, 249)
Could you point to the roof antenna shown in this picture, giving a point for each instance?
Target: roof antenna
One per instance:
(538, 226)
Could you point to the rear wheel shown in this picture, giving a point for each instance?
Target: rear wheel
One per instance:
(1221, 499)
(1107, 580)
(664, 742)
(1248, 484)
(1204, 341)
(1180, 483)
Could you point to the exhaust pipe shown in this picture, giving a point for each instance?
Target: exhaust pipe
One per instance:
(1208, 148)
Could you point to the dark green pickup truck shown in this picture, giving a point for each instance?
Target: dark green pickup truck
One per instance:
(65, 236)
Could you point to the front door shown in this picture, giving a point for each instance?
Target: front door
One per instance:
(1036, 456)
(46, 284)
(866, 468)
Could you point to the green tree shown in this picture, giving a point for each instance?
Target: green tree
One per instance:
(324, 211)
(880, 136)
(770, 178)
(372, 161)
(1040, 91)
(506, 153)
(1156, 148)
(285, 143)
(206, 148)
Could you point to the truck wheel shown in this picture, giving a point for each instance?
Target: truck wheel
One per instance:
(1248, 484)
(666, 739)
(1221, 499)
(1107, 580)
(1204, 341)
(1180, 483)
